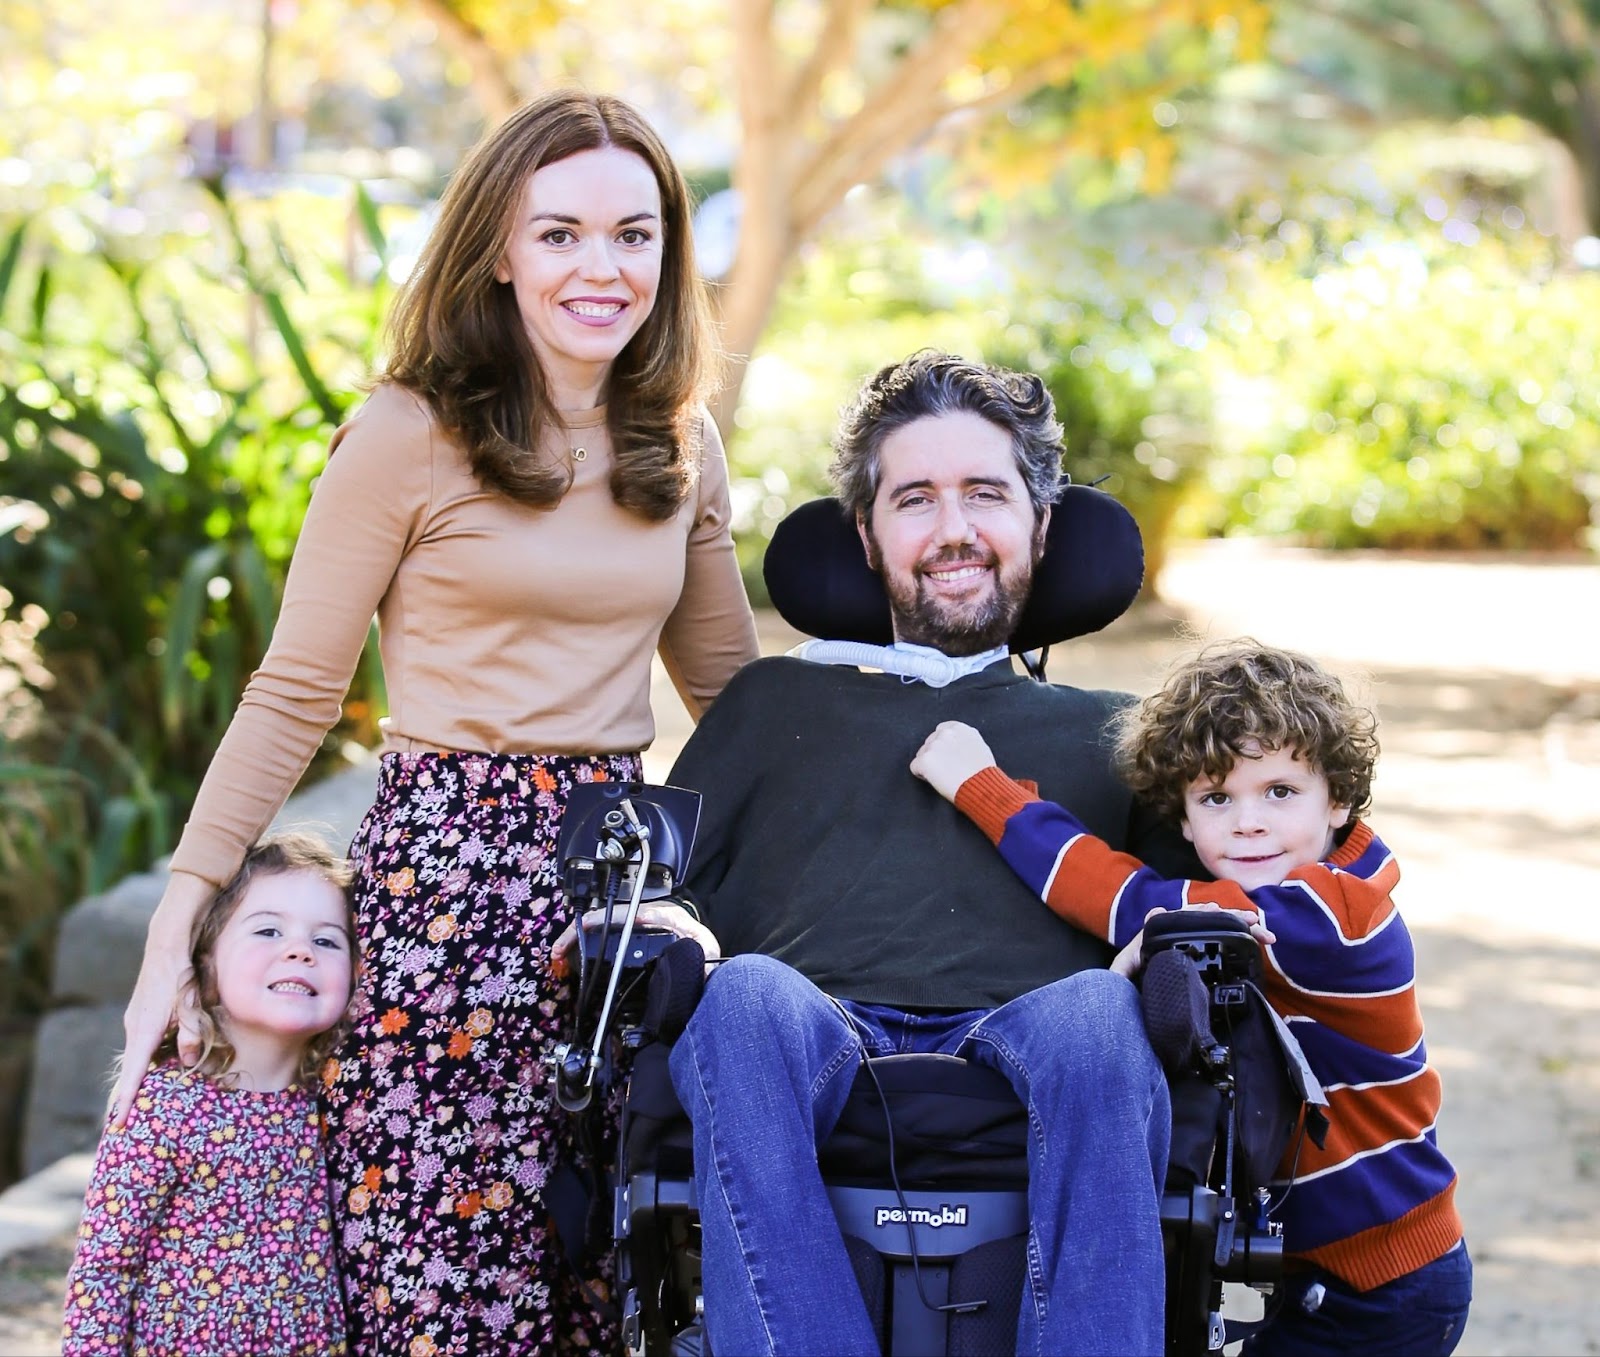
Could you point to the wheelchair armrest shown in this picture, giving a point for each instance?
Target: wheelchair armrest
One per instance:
(1220, 944)
(597, 944)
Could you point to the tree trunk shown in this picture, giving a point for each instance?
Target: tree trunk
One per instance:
(1569, 195)
(497, 94)
(746, 304)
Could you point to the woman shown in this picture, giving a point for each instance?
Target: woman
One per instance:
(532, 501)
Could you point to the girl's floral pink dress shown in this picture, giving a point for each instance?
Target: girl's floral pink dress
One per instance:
(206, 1229)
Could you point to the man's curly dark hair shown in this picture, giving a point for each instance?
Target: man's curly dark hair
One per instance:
(930, 383)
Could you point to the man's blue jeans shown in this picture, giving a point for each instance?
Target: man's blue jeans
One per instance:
(764, 1069)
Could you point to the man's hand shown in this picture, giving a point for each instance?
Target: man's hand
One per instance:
(948, 757)
(674, 918)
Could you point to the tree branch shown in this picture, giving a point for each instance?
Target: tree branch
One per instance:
(758, 65)
(896, 112)
(1496, 21)
(1407, 37)
(1355, 111)
(497, 92)
(1062, 65)
(834, 45)
(1568, 30)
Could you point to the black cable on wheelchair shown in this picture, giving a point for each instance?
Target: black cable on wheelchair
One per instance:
(1294, 1166)
(956, 1307)
(589, 974)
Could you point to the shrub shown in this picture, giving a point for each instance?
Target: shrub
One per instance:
(1378, 407)
(161, 420)
(1134, 412)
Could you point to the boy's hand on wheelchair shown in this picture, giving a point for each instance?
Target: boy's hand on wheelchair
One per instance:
(1258, 928)
(662, 914)
(1130, 960)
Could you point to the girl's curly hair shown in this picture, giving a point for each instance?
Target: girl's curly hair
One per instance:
(1237, 694)
(274, 856)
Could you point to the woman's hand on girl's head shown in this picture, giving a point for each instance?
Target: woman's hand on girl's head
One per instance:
(160, 995)
(148, 1018)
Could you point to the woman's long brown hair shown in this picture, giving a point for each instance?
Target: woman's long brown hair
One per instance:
(457, 339)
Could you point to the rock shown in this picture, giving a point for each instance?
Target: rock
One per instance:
(101, 942)
(71, 1082)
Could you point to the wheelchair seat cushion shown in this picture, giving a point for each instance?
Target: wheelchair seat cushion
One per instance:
(953, 1122)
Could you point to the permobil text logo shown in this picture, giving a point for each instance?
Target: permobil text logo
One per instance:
(933, 1217)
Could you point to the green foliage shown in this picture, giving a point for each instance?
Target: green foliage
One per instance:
(1132, 404)
(1135, 413)
(1371, 60)
(1389, 404)
(163, 411)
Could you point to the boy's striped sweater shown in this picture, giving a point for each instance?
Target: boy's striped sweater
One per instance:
(1379, 1200)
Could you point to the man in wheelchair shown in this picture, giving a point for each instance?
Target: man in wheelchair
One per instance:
(1009, 1201)
(859, 917)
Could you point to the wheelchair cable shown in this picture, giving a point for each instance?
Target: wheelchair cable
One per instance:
(587, 978)
(957, 1307)
(1294, 1166)
(628, 920)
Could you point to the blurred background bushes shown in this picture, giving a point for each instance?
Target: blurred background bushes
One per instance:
(165, 405)
(1409, 403)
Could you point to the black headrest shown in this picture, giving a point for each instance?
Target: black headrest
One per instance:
(1093, 564)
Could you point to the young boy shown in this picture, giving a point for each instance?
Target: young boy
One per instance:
(1266, 765)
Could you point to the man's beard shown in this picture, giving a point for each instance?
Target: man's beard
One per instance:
(954, 628)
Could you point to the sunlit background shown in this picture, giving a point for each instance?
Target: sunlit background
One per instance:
(1319, 272)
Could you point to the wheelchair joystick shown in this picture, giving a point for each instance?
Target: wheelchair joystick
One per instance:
(614, 851)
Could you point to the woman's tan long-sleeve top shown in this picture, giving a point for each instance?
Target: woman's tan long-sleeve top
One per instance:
(503, 628)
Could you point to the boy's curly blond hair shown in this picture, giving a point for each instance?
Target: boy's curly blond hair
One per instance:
(1238, 693)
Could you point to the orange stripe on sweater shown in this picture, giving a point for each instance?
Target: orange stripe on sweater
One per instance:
(1385, 1252)
(1390, 1022)
(1363, 1118)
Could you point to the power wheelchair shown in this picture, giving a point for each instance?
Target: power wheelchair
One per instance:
(927, 1169)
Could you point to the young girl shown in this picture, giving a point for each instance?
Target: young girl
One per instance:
(207, 1227)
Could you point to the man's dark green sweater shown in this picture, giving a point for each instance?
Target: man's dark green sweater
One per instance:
(818, 847)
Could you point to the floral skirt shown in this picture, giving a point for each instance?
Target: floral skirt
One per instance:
(442, 1131)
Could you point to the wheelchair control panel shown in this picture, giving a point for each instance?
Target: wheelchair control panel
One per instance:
(597, 946)
(620, 845)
